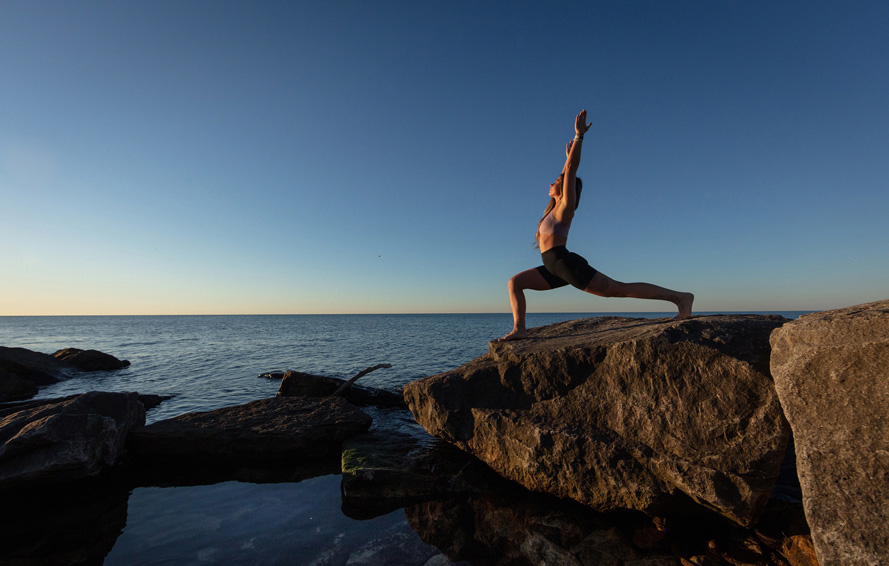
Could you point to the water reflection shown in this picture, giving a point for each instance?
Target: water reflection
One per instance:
(267, 516)
(74, 523)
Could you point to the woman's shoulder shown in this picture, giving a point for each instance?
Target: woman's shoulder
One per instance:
(561, 213)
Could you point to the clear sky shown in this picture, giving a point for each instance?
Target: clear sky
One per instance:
(196, 157)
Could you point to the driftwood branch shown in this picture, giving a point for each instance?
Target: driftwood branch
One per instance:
(360, 374)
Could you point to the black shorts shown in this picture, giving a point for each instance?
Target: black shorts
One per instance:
(561, 267)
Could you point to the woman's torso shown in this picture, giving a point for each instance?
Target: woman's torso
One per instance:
(552, 232)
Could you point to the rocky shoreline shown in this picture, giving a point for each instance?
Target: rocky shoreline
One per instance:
(605, 440)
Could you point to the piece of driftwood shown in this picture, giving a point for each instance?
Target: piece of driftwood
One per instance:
(360, 374)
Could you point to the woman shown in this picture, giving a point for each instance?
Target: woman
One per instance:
(561, 267)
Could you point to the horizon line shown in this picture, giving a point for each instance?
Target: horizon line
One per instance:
(666, 313)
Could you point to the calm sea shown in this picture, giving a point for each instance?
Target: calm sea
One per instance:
(208, 362)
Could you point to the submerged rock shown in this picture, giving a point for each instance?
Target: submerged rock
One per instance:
(299, 384)
(385, 470)
(65, 439)
(622, 413)
(832, 375)
(286, 429)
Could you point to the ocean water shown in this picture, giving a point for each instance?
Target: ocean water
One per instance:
(208, 362)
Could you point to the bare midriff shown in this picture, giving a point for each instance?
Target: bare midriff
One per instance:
(549, 241)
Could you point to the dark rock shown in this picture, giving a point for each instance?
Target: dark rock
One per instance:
(622, 413)
(152, 401)
(286, 429)
(158, 472)
(90, 360)
(65, 439)
(22, 371)
(832, 375)
(783, 527)
(13, 387)
(46, 369)
(298, 384)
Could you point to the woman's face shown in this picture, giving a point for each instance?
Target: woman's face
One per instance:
(555, 189)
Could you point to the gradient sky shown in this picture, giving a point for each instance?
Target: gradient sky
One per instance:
(202, 157)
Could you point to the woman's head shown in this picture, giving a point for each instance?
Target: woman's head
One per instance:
(555, 191)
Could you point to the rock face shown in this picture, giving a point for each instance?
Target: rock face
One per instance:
(622, 413)
(65, 439)
(289, 429)
(832, 375)
(299, 384)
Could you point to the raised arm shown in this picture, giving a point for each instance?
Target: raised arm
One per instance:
(569, 171)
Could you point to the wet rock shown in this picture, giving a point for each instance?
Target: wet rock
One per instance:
(298, 384)
(66, 439)
(385, 470)
(832, 375)
(272, 375)
(286, 429)
(622, 413)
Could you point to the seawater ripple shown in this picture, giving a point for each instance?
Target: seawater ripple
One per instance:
(208, 362)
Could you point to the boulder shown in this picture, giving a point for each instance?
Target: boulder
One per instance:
(22, 371)
(90, 360)
(831, 372)
(285, 429)
(299, 384)
(65, 439)
(620, 412)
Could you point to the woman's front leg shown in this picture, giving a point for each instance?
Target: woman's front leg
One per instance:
(528, 279)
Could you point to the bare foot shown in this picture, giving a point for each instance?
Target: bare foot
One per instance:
(514, 335)
(685, 301)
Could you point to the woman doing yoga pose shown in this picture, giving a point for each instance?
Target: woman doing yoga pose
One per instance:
(561, 267)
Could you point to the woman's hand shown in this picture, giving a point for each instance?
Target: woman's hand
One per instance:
(568, 148)
(580, 125)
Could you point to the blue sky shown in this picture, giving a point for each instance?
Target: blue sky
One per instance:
(357, 157)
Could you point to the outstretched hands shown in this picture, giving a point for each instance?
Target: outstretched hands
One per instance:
(580, 125)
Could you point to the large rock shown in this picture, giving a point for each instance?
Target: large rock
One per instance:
(65, 439)
(622, 413)
(90, 360)
(22, 371)
(285, 429)
(832, 375)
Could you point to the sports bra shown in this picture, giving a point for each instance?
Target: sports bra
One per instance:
(552, 227)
